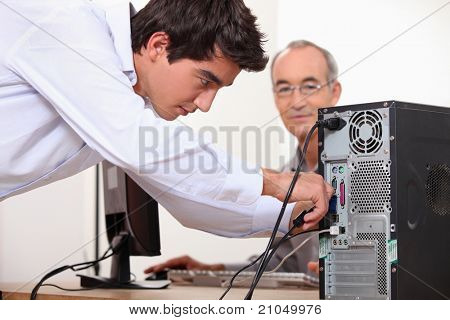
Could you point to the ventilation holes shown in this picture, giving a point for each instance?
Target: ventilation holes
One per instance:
(438, 189)
(381, 258)
(370, 187)
(366, 132)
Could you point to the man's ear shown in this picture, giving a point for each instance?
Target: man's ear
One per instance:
(336, 92)
(157, 45)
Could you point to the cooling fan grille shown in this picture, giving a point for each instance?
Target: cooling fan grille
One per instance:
(366, 132)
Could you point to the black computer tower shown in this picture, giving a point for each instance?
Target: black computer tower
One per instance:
(390, 166)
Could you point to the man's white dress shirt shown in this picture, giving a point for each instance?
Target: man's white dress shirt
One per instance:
(67, 103)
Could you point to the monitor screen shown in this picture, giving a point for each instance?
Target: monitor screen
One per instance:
(128, 208)
(132, 220)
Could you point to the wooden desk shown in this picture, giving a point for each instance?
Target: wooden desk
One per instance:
(11, 291)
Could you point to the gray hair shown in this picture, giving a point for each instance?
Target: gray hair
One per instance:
(331, 62)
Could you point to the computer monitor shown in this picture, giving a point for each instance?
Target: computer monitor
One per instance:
(132, 218)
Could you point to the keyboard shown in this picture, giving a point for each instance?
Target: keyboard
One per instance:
(244, 279)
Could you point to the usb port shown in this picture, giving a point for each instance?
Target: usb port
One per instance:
(342, 193)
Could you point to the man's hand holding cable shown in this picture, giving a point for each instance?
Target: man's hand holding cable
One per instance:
(309, 187)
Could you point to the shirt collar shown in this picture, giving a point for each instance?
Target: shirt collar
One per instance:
(118, 14)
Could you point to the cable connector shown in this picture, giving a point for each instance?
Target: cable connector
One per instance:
(119, 241)
(333, 124)
(334, 230)
(297, 222)
(332, 204)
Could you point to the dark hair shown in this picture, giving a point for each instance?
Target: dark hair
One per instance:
(196, 27)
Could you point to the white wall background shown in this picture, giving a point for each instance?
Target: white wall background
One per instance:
(54, 224)
(412, 65)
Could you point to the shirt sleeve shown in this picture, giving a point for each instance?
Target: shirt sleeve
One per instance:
(69, 58)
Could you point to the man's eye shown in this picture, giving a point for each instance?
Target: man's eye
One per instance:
(284, 89)
(204, 82)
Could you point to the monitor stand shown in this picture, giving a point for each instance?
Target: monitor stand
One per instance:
(120, 271)
(94, 282)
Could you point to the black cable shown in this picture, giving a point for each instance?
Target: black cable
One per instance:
(97, 218)
(331, 124)
(76, 267)
(230, 285)
(297, 222)
(69, 289)
(81, 289)
(64, 268)
(280, 216)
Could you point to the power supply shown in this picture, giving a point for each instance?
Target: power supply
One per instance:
(390, 167)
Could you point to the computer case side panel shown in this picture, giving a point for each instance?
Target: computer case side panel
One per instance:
(423, 173)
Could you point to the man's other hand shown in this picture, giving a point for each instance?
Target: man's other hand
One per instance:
(184, 262)
(313, 266)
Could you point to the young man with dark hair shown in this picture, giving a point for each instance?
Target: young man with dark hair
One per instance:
(222, 33)
(304, 79)
(225, 25)
(78, 85)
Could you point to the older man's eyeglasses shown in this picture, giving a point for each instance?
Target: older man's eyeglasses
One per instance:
(305, 89)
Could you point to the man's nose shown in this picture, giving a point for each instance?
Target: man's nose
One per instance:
(298, 100)
(205, 99)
